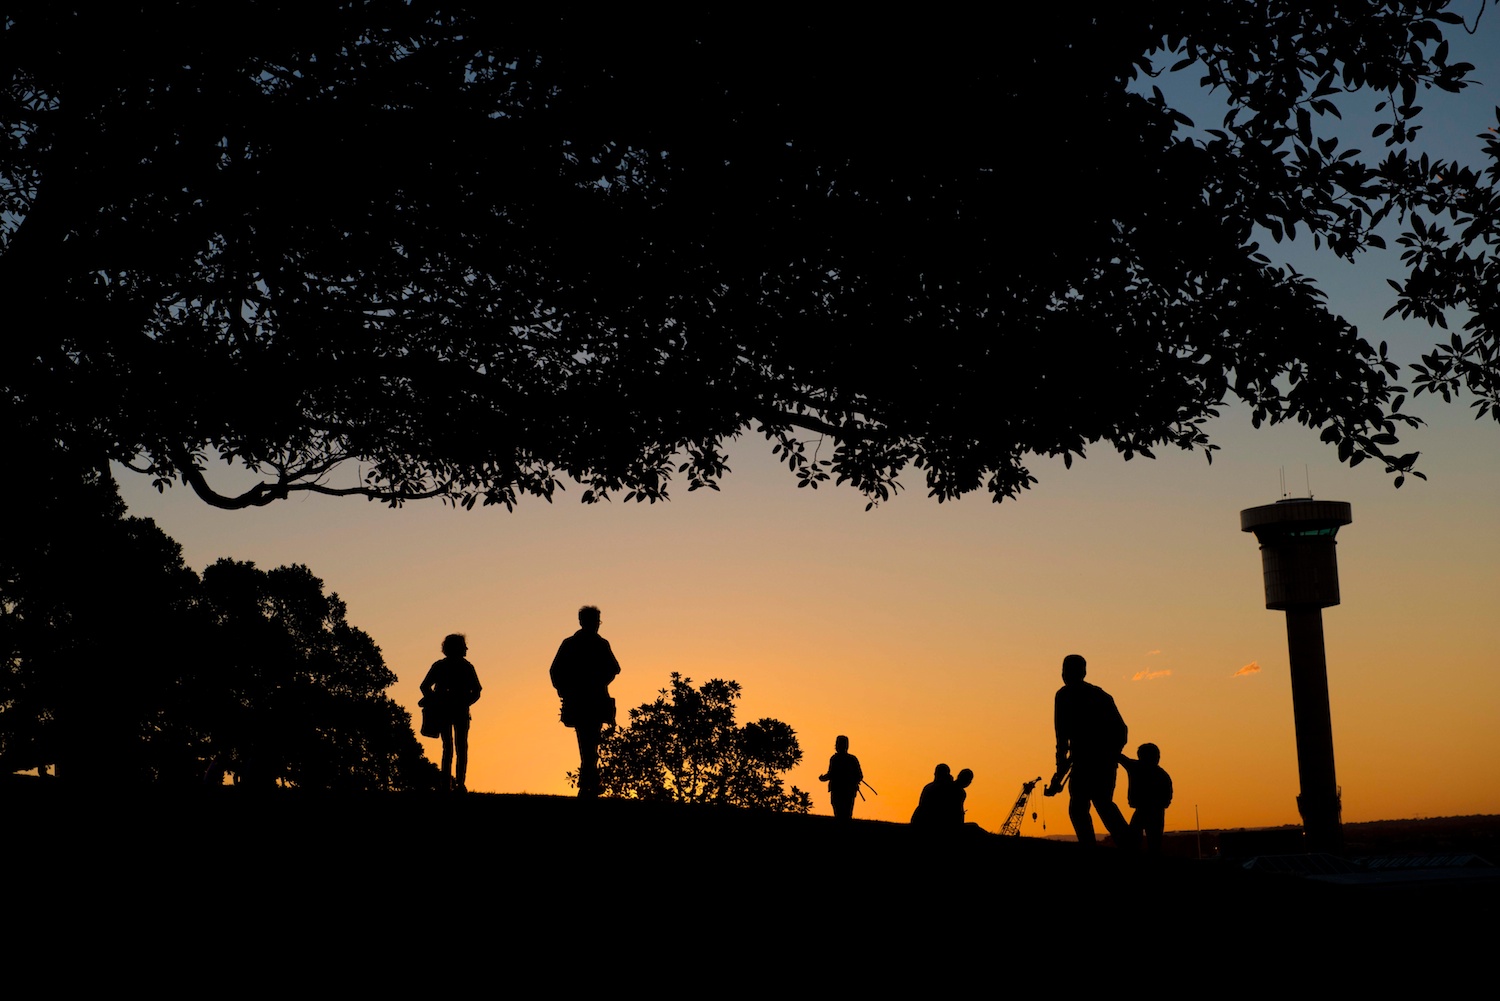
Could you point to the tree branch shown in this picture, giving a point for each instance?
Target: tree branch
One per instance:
(838, 432)
(286, 484)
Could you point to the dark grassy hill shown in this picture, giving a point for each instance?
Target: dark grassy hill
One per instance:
(218, 888)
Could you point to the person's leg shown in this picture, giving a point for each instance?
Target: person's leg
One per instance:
(1155, 823)
(461, 746)
(1102, 785)
(1114, 820)
(448, 754)
(588, 758)
(1133, 833)
(1078, 807)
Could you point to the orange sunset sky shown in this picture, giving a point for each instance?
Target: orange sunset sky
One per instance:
(934, 633)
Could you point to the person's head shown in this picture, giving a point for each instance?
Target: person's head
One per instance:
(965, 778)
(1149, 753)
(1074, 668)
(455, 645)
(942, 772)
(588, 617)
(841, 744)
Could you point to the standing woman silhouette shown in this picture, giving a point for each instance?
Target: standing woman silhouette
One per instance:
(450, 688)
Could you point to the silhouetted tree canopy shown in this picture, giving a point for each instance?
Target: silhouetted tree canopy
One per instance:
(401, 249)
(121, 666)
(1450, 268)
(685, 748)
(296, 695)
(97, 621)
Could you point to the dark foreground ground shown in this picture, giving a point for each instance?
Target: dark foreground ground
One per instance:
(223, 893)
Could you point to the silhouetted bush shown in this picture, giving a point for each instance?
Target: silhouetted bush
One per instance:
(685, 748)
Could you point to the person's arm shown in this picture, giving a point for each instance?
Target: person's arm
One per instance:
(559, 670)
(1060, 725)
(426, 685)
(475, 688)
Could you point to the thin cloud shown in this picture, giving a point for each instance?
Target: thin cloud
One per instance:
(1251, 668)
(1152, 653)
(1150, 675)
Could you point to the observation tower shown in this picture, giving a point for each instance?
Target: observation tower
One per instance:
(1297, 551)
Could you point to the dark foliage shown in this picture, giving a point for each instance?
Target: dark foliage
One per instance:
(685, 748)
(1453, 213)
(121, 666)
(481, 253)
(96, 616)
(298, 694)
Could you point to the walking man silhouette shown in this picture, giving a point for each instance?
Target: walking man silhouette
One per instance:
(581, 673)
(843, 777)
(1090, 735)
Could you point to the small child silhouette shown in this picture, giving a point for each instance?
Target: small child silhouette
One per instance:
(1149, 796)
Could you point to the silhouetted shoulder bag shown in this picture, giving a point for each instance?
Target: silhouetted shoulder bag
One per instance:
(431, 722)
(604, 711)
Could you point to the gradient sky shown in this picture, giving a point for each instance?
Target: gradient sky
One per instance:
(931, 633)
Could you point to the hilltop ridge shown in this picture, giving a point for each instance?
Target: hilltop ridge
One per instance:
(611, 883)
